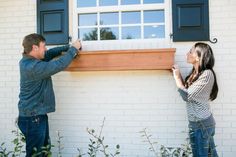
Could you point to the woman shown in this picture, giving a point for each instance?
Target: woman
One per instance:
(199, 87)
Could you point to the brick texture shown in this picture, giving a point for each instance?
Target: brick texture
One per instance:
(130, 100)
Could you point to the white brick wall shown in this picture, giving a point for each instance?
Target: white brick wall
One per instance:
(130, 100)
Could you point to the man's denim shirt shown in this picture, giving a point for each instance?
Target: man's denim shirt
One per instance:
(36, 90)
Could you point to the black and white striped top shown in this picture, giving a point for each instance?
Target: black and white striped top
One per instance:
(197, 96)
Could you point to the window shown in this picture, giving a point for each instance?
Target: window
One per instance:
(120, 19)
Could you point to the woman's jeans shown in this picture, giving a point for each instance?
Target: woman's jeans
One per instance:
(36, 132)
(201, 138)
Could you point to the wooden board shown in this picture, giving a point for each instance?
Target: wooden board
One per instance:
(145, 59)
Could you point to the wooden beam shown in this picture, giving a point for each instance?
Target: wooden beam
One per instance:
(144, 59)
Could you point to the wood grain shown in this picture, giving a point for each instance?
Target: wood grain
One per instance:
(144, 59)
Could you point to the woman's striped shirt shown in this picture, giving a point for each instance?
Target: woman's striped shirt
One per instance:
(197, 96)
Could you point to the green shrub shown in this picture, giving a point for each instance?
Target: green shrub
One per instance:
(163, 151)
(96, 146)
(18, 142)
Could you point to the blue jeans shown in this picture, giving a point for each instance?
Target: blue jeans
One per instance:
(201, 138)
(36, 132)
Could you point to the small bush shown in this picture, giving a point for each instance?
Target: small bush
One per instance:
(96, 146)
(18, 142)
(163, 151)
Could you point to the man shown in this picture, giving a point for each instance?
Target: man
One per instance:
(36, 91)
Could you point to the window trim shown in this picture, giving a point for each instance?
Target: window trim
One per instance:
(162, 6)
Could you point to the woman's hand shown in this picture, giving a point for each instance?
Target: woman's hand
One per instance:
(177, 76)
(176, 72)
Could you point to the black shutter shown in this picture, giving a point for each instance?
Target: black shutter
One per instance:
(53, 21)
(190, 20)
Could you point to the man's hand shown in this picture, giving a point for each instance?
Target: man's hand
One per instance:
(77, 44)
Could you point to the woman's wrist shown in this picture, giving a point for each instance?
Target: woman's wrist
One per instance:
(179, 82)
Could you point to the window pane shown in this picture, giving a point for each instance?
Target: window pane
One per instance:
(84, 3)
(152, 1)
(131, 32)
(154, 16)
(154, 31)
(108, 2)
(88, 34)
(109, 18)
(126, 2)
(109, 33)
(131, 17)
(87, 19)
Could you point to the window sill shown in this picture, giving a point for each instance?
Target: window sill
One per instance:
(145, 59)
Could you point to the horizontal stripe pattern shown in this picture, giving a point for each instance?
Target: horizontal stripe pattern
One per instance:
(197, 96)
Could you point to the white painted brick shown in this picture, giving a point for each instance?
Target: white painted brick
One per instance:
(229, 118)
(229, 106)
(130, 100)
(224, 124)
(223, 149)
(221, 112)
(234, 124)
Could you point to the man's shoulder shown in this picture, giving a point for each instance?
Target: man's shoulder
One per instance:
(28, 62)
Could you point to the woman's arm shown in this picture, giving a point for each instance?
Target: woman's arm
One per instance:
(177, 76)
(200, 87)
(180, 83)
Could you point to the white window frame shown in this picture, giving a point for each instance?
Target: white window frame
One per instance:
(166, 6)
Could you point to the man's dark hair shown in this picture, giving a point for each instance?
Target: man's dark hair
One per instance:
(30, 40)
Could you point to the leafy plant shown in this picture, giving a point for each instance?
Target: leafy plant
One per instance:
(59, 144)
(3, 150)
(97, 144)
(18, 142)
(163, 151)
(147, 139)
(45, 151)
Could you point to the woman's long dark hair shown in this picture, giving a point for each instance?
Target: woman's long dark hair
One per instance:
(207, 61)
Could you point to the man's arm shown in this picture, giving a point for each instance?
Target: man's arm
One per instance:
(54, 52)
(43, 69)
